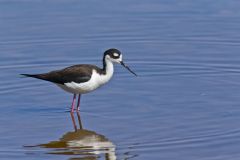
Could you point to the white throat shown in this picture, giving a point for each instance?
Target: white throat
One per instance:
(109, 67)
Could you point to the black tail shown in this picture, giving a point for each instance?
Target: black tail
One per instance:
(53, 77)
(38, 76)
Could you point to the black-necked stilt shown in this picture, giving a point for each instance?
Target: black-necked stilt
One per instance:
(83, 78)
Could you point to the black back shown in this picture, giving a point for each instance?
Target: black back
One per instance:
(77, 73)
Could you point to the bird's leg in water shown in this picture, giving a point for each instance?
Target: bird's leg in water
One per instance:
(73, 103)
(78, 104)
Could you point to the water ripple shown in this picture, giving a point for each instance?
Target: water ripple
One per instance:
(204, 140)
(143, 68)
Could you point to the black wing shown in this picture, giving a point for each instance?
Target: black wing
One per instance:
(77, 73)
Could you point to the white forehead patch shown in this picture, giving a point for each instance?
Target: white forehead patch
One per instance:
(115, 54)
(120, 57)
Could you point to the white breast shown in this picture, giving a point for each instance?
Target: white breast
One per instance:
(96, 81)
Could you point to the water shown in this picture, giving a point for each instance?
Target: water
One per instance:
(183, 105)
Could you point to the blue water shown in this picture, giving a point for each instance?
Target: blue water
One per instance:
(183, 105)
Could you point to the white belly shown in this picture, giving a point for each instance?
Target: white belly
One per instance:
(95, 82)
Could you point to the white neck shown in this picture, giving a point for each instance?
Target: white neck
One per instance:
(109, 67)
(104, 78)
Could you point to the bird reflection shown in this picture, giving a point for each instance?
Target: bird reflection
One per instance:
(85, 144)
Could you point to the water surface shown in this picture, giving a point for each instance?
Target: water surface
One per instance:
(183, 105)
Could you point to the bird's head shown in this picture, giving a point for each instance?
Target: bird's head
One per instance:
(115, 56)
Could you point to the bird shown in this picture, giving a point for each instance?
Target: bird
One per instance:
(84, 78)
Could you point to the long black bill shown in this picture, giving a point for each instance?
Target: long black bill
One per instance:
(127, 68)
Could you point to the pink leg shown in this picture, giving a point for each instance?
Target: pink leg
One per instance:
(73, 102)
(78, 104)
